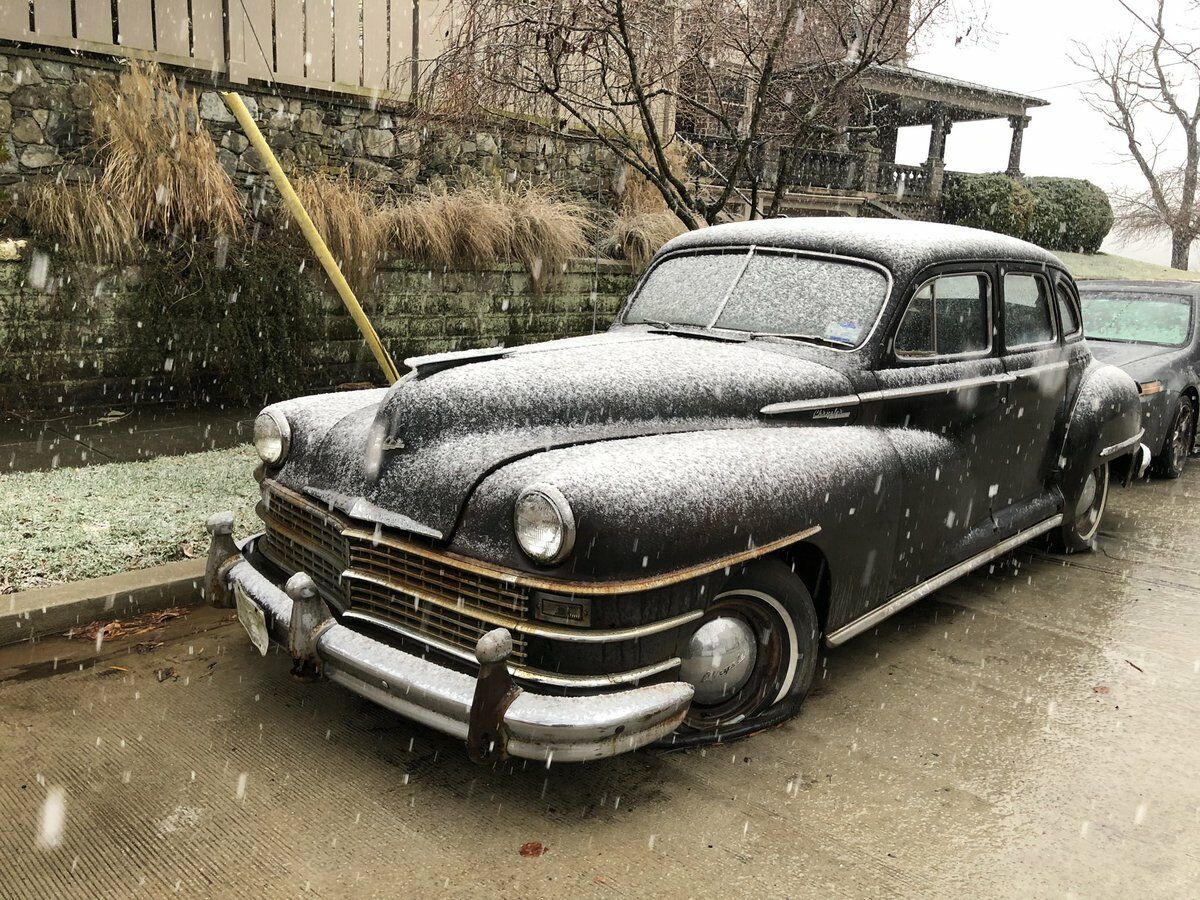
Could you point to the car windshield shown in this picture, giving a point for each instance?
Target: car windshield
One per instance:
(1137, 317)
(764, 292)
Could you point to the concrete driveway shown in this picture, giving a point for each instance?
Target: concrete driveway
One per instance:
(1033, 730)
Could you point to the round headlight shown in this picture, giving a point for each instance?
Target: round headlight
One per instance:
(544, 524)
(272, 437)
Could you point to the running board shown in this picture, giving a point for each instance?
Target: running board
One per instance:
(925, 588)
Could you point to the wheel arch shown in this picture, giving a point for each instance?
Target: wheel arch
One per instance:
(810, 564)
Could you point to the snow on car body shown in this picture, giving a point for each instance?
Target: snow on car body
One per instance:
(795, 428)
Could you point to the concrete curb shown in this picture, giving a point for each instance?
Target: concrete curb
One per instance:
(53, 610)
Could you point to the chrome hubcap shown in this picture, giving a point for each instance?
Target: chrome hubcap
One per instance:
(720, 658)
(1090, 506)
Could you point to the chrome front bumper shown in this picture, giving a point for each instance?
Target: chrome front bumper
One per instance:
(490, 710)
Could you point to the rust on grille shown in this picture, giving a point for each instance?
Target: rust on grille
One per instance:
(416, 593)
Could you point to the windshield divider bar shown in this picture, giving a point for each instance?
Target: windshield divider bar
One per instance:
(732, 286)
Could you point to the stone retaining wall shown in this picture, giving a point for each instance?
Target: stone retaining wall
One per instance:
(66, 348)
(45, 110)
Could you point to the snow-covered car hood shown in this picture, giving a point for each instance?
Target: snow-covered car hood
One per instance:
(1121, 353)
(412, 460)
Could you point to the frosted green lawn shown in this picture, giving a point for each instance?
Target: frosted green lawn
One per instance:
(69, 524)
(1106, 265)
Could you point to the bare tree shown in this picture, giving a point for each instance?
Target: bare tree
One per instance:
(750, 75)
(1150, 77)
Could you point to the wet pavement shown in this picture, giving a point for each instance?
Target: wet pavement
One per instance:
(1032, 730)
(37, 441)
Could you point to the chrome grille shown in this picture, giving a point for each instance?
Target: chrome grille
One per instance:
(432, 576)
(386, 577)
(456, 627)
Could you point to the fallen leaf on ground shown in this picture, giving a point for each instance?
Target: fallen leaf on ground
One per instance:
(163, 674)
(533, 848)
(147, 646)
(119, 628)
(188, 549)
(1100, 689)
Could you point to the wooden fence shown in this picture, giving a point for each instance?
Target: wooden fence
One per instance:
(374, 47)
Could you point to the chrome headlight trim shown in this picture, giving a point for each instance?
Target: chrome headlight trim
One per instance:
(552, 502)
(272, 437)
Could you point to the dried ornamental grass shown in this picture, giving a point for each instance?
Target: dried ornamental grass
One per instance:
(480, 224)
(159, 161)
(547, 230)
(349, 219)
(83, 218)
(637, 236)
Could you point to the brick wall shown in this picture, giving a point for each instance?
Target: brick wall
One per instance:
(67, 346)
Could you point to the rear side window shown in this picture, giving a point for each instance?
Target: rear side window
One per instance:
(1028, 320)
(947, 317)
(1066, 311)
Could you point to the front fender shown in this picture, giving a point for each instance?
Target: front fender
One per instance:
(650, 505)
(1104, 424)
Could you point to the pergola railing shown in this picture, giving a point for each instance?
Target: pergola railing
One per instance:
(803, 168)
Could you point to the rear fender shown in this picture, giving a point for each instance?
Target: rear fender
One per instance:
(1104, 424)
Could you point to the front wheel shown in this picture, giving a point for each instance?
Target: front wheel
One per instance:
(753, 656)
(1083, 512)
(1178, 446)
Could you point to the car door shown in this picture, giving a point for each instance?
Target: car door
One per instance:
(1041, 367)
(943, 376)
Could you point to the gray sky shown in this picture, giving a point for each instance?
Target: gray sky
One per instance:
(1028, 50)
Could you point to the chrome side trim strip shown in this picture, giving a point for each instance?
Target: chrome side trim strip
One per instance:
(1124, 445)
(552, 678)
(1044, 367)
(913, 594)
(945, 387)
(791, 406)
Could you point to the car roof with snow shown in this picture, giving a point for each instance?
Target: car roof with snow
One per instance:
(905, 247)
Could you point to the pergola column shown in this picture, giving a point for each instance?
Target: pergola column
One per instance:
(937, 135)
(1017, 123)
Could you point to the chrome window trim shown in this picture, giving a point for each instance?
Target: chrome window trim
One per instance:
(1073, 300)
(1020, 348)
(948, 357)
(749, 248)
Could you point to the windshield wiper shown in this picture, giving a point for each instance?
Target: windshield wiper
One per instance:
(685, 331)
(809, 338)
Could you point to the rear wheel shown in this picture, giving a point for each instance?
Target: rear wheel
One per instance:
(752, 657)
(1083, 512)
(1178, 446)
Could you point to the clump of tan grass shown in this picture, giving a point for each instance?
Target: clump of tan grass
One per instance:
(159, 178)
(349, 219)
(482, 223)
(547, 229)
(641, 224)
(159, 160)
(81, 217)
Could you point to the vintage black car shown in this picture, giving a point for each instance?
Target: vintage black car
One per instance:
(571, 549)
(1148, 328)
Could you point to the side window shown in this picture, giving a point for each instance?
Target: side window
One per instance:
(947, 317)
(1067, 311)
(1027, 316)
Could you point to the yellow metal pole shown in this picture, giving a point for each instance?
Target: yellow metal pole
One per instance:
(259, 143)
